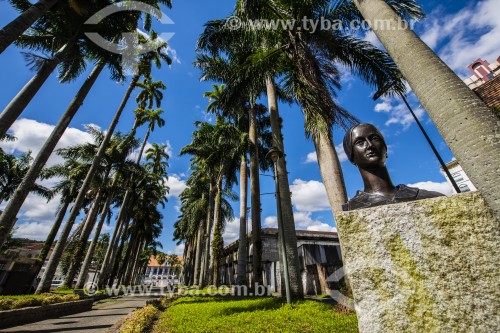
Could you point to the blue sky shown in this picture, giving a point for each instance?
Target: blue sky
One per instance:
(459, 31)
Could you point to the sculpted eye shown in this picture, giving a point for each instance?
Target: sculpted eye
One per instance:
(359, 142)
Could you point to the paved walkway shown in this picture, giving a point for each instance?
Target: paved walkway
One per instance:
(101, 318)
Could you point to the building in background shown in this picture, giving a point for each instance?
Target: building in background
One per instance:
(459, 176)
(482, 72)
(485, 81)
(161, 274)
(18, 267)
(319, 257)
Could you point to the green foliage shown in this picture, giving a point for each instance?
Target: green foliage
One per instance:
(23, 301)
(496, 111)
(140, 320)
(232, 314)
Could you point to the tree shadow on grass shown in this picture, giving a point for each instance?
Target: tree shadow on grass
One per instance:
(239, 303)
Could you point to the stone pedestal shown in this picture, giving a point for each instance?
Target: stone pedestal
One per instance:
(424, 266)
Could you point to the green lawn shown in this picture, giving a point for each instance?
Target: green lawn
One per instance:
(231, 314)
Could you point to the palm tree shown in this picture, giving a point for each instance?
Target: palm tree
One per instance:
(237, 101)
(30, 14)
(7, 219)
(143, 68)
(465, 123)
(72, 172)
(114, 157)
(153, 117)
(150, 93)
(216, 40)
(84, 152)
(12, 170)
(149, 191)
(221, 146)
(62, 30)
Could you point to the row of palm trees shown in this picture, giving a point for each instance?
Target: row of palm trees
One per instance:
(302, 67)
(94, 176)
(288, 65)
(59, 37)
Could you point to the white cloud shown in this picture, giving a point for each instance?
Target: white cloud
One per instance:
(397, 111)
(176, 184)
(303, 221)
(31, 135)
(309, 195)
(173, 54)
(454, 36)
(179, 249)
(341, 153)
(312, 157)
(271, 222)
(231, 231)
(133, 155)
(383, 107)
(443, 187)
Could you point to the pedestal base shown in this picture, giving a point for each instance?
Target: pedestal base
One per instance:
(424, 266)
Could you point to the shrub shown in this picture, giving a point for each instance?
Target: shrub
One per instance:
(140, 320)
(6, 303)
(23, 301)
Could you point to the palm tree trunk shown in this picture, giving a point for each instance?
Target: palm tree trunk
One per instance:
(108, 259)
(286, 201)
(55, 258)
(197, 259)
(131, 261)
(255, 199)
(116, 258)
(131, 278)
(217, 242)
(331, 171)
(109, 251)
(184, 278)
(82, 277)
(205, 269)
(8, 217)
(14, 29)
(469, 127)
(241, 273)
(53, 232)
(126, 262)
(81, 243)
(96, 162)
(17, 105)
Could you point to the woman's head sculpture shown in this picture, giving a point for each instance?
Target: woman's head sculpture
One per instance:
(366, 148)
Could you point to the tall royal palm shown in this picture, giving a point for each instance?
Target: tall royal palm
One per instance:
(60, 38)
(7, 219)
(31, 13)
(235, 101)
(466, 124)
(143, 68)
(153, 118)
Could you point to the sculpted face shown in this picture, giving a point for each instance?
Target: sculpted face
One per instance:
(368, 147)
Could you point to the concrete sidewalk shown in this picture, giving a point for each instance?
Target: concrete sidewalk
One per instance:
(101, 318)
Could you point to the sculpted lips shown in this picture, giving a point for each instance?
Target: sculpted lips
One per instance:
(372, 153)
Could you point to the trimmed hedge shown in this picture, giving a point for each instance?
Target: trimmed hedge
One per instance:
(140, 320)
(23, 301)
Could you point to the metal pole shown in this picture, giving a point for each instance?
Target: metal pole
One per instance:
(282, 234)
(443, 165)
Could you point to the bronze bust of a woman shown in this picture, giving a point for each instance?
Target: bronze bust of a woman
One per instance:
(365, 147)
